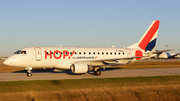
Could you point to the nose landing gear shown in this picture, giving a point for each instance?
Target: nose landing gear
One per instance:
(29, 72)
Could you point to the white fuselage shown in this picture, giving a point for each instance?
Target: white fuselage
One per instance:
(64, 57)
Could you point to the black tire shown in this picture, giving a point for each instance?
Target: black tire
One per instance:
(94, 72)
(98, 72)
(29, 74)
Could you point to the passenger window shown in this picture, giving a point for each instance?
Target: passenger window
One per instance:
(123, 53)
(51, 52)
(102, 53)
(75, 53)
(98, 53)
(84, 53)
(80, 53)
(89, 53)
(70, 52)
(111, 53)
(94, 53)
(106, 53)
(114, 53)
(56, 52)
(119, 53)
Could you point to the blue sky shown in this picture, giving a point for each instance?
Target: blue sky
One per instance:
(93, 23)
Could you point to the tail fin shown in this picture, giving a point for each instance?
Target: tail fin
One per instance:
(148, 40)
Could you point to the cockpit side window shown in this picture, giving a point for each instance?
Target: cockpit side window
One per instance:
(20, 52)
(23, 52)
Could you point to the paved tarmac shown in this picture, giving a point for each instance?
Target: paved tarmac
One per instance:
(109, 73)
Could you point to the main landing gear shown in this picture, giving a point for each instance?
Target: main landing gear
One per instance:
(97, 72)
(29, 72)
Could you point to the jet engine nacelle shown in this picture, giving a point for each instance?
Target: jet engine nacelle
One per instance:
(79, 68)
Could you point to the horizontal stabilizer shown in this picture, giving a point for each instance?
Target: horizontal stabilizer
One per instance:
(159, 52)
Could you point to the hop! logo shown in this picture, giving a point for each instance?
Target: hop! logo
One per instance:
(58, 54)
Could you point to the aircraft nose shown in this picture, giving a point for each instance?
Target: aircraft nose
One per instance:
(7, 62)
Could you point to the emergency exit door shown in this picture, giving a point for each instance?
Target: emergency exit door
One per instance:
(38, 53)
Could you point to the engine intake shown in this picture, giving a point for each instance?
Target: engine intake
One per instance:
(79, 68)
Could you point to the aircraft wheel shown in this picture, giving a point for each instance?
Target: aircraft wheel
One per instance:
(29, 74)
(98, 72)
(94, 72)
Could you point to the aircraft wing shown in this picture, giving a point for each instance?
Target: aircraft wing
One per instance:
(103, 63)
(172, 56)
(159, 52)
(112, 59)
(175, 54)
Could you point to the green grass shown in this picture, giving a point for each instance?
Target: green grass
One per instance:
(109, 89)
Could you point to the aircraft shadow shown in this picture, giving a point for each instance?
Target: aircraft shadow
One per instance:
(69, 72)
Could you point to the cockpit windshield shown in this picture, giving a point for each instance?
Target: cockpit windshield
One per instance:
(20, 52)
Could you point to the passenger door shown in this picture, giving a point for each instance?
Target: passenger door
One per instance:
(38, 53)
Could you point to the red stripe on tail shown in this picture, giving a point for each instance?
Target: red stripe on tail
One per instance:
(143, 44)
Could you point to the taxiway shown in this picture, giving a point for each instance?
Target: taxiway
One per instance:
(109, 73)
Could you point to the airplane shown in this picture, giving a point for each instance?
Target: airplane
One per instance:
(167, 55)
(158, 53)
(80, 60)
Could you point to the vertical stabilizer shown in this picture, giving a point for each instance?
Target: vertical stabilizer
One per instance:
(148, 40)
